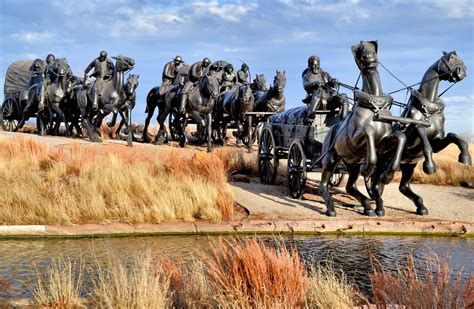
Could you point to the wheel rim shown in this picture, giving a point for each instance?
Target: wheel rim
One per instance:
(296, 171)
(267, 160)
(9, 121)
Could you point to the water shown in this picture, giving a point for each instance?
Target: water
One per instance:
(21, 259)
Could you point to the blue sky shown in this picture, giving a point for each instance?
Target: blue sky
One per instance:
(268, 35)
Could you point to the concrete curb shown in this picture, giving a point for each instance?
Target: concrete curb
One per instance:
(316, 227)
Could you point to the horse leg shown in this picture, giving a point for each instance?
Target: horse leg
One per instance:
(326, 174)
(151, 110)
(128, 120)
(376, 188)
(351, 188)
(387, 176)
(451, 138)
(367, 133)
(201, 124)
(183, 140)
(429, 167)
(209, 131)
(405, 189)
(161, 135)
(63, 119)
(111, 123)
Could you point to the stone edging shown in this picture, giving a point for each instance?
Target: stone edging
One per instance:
(364, 227)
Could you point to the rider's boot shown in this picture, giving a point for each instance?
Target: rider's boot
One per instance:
(182, 103)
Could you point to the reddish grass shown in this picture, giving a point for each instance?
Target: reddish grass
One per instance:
(422, 286)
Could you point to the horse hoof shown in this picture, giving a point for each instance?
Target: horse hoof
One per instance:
(330, 213)
(68, 133)
(465, 159)
(380, 213)
(182, 142)
(369, 212)
(429, 168)
(422, 211)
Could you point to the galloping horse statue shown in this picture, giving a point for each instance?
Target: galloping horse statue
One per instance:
(125, 108)
(200, 102)
(57, 93)
(272, 100)
(425, 104)
(154, 100)
(357, 138)
(112, 96)
(235, 103)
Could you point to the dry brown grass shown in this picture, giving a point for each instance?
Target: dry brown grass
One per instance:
(60, 286)
(449, 171)
(422, 285)
(131, 285)
(44, 185)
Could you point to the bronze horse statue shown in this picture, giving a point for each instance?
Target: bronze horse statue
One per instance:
(57, 93)
(200, 102)
(154, 100)
(357, 139)
(425, 104)
(112, 96)
(235, 103)
(125, 108)
(272, 100)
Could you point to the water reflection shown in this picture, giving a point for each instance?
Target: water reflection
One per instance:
(20, 259)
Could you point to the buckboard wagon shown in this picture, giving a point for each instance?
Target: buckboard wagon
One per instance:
(298, 138)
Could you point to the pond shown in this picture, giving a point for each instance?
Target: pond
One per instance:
(21, 259)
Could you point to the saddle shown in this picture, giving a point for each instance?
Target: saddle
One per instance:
(373, 102)
(425, 105)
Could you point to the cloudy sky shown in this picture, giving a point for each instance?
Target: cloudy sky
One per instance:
(268, 35)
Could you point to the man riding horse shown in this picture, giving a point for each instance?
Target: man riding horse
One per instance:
(319, 86)
(103, 70)
(170, 71)
(229, 79)
(194, 74)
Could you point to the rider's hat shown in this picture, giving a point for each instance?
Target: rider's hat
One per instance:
(178, 58)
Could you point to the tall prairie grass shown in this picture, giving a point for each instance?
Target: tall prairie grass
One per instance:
(449, 171)
(40, 184)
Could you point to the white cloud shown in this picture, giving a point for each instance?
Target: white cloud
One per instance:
(234, 50)
(452, 9)
(33, 37)
(465, 99)
(226, 11)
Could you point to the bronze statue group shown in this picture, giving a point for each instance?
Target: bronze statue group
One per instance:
(364, 136)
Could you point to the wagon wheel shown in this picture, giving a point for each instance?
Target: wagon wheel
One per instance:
(43, 122)
(337, 177)
(9, 117)
(296, 170)
(368, 186)
(267, 157)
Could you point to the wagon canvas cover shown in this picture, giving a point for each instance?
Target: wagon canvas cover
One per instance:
(17, 77)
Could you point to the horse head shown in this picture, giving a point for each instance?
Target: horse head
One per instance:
(365, 55)
(131, 85)
(246, 98)
(451, 67)
(279, 82)
(209, 84)
(62, 68)
(123, 63)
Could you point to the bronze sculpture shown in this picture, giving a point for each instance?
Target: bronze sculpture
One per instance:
(111, 97)
(166, 104)
(272, 100)
(194, 74)
(173, 74)
(426, 105)
(259, 83)
(320, 93)
(234, 103)
(229, 79)
(103, 70)
(125, 108)
(243, 74)
(358, 137)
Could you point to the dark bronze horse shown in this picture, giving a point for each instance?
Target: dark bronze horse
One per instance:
(112, 95)
(425, 104)
(154, 100)
(272, 100)
(125, 108)
(200, 105)
(358, 137)
(234, 103)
